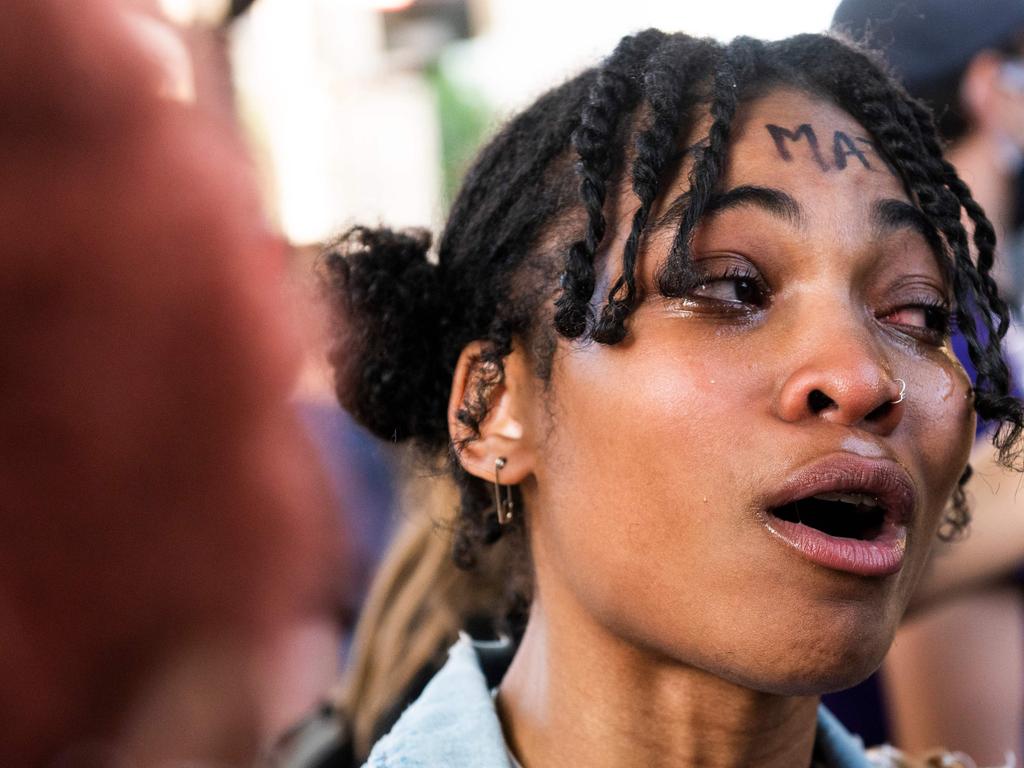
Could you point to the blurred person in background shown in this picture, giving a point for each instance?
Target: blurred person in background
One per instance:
(956, 670)
(663, 629)
(168, 547)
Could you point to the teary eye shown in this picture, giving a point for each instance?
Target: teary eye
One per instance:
(736, 286)
(930, 320)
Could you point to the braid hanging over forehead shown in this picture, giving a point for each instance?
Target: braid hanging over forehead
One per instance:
(528, 234)
(611, 98)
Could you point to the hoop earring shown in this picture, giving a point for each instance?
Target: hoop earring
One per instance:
(503, 506)
(903, 392)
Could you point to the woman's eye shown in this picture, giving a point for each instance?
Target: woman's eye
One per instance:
(733, 289)
(931, 320)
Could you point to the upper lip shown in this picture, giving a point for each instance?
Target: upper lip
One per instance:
(885, 480)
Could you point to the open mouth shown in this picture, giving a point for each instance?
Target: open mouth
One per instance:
(843, 515)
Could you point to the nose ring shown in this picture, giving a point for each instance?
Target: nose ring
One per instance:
(903, 392)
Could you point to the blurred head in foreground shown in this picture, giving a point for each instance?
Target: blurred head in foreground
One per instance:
(685, 344)
(164, 522)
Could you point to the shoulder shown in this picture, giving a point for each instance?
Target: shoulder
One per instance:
(453, 724)
(890, 757)
(838, 748)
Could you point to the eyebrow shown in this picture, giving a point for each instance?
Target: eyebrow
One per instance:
(887, 215)
(774, 201)
(890, 214)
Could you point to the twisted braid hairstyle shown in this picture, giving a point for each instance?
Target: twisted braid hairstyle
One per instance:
(517, 258)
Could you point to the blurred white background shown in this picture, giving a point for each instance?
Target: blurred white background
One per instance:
(368, 110)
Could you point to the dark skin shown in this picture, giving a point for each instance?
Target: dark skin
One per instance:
(844, 148)
(668, 626)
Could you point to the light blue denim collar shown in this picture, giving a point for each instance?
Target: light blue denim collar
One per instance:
(453, 724)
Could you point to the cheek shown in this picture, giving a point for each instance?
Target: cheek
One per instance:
(671, 406)
(939, 430)
(637, 474)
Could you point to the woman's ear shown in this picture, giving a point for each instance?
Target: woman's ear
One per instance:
(498, 397)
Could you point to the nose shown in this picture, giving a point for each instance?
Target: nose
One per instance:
(843, 383)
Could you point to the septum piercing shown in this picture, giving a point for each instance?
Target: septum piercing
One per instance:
(903, 392)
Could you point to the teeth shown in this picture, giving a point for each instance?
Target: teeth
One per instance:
(850, 498)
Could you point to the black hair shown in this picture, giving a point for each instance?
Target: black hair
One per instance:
(517, 257)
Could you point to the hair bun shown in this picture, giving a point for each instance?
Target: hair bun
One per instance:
(386, 346)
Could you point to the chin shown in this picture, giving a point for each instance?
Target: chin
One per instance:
(827, 665)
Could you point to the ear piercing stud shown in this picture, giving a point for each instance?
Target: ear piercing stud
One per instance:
(503, 503)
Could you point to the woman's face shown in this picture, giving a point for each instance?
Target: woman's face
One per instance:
(662, 494)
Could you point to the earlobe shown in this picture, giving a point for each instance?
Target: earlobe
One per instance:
(485, 415)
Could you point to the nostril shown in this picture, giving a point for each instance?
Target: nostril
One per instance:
(881, 411)
(818, 401)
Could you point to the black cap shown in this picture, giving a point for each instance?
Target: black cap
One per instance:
(927, 40)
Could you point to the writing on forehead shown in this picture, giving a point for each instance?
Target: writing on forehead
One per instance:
(804, 138)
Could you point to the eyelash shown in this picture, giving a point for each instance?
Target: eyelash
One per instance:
(938, 318)
(734, 274)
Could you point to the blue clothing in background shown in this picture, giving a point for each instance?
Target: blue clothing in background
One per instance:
(960, 347)
(362, 473)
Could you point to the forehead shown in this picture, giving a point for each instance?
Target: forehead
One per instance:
(810, 148)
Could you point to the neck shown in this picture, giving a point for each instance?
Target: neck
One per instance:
(577, 695)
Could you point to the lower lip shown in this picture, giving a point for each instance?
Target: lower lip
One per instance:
(881, 556)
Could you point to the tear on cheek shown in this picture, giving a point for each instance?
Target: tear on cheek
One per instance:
(952, 387)
(958, 402)
(941, 407)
